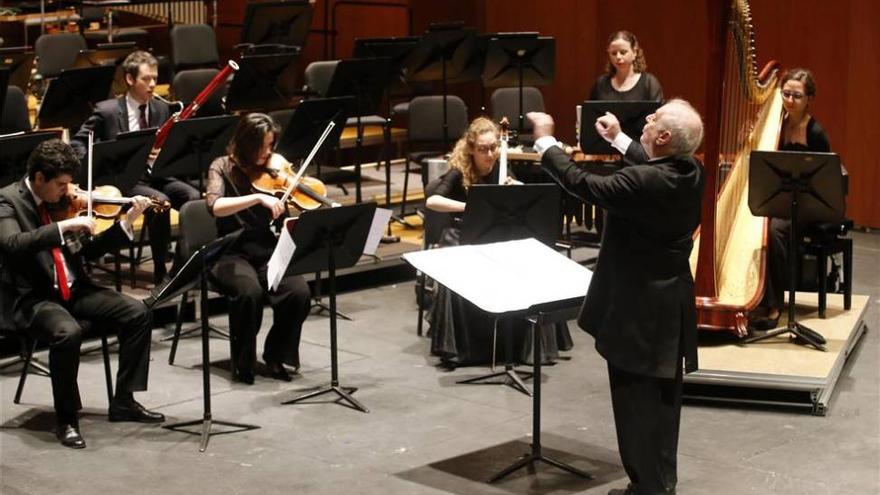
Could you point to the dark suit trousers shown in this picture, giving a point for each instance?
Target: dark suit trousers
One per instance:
(647, 410)
(245, 285)
(175, 192)
(56, 322)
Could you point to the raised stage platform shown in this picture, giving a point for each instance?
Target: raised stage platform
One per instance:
(778, 371)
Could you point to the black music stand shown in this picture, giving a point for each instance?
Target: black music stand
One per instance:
(71, 96)
(20, 62)
(15, 150)
(328, 239)
(441, 56)
(631, 114)
(192, 145)
(398, 51)
(264, 80)
(497, 213)
(4, 84)
(277, 23)
(365, 79)
(108, 54)
(802, 187)
(517, 60)
(194, 272)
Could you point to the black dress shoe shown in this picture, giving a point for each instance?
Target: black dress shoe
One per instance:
(69, 436)
(763, 323)
(133, 411)
(278, 372)
(246, 377)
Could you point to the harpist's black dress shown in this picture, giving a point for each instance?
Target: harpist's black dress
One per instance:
(461, 333)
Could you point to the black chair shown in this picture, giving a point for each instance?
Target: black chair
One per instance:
(505, 103)
(187, 84)
(425, 130)
(197, 228)
(824, 240)
(15, 116)
(29, 345)
(194, 46)
(56, 52)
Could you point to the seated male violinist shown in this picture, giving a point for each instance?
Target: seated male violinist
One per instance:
(45, 290)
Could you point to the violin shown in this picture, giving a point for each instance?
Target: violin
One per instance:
(277, 177)
(107, 202)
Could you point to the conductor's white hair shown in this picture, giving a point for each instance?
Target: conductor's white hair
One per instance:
(685, 125)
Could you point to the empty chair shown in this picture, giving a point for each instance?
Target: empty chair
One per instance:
(56, 52)
(505, 103)
(193, 46)
(188, 84)
(318, 75)
(15, 116)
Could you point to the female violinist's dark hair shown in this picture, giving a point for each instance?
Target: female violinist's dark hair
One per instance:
(247, 140)
(53, 158)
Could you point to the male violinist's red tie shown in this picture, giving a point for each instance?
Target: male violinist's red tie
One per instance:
(56, 256)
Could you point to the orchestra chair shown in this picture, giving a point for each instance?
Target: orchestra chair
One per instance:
(505, 103)
(824, 240)
(433, 223)
(194, 46)
(187, 84)
(317, 77)
(15, 116)
(425, 131)
(197, 228)
(56, 52)
(29, 345)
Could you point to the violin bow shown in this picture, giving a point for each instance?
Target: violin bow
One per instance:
(305, 164)
(502, 158)
(89, 170)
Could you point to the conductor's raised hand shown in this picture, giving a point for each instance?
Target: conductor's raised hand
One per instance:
(608, 126)
(542, 124)
(271, 203)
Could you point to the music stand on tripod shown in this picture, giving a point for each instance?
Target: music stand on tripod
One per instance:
(20, 62)
(365, 79)
(71, 96)
(265, 80)
(194, 272)
(108, 54)
(326, 240)
(15, 150)
(801, 187)
(192, 145)
(517, 60)
(277, 23)
(498, 213)
(441, 55)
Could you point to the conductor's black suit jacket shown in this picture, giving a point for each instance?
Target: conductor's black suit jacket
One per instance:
(27, 271)
(640, 306)
(110, 118)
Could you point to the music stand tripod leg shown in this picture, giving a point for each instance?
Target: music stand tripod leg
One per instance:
(536, 455)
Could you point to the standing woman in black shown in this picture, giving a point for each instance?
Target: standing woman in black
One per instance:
(800, 132)
(625, 78)
(240, 273)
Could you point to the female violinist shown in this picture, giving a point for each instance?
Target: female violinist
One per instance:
(240, 273)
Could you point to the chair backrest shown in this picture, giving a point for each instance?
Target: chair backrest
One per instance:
(15, 116)
(194, 46)
(197, 227)
(188, 84)
(56, 52)
(426, 119)
(318, 75)
(505, 103)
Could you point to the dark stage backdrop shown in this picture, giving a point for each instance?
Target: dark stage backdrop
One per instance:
(837, 40)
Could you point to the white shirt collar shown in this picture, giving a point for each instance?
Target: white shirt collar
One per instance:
(38, 200)
(134, 110)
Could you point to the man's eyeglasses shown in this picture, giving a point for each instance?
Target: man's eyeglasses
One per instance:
(486, 149)
(794, 95)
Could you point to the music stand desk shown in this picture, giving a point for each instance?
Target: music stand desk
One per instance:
(193, 144)
(547, 289)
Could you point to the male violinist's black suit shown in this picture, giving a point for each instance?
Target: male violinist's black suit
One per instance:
(30, 301)
(640, 306)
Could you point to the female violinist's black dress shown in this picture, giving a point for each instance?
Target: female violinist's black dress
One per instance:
(461, 333)
(240, 274)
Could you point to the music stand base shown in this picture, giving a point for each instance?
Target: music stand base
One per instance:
(390, 239)
(188, 334)
(514, 379)
(533, 457)
(206, 432)
(322, 306)
(801, 332)
(344, 393)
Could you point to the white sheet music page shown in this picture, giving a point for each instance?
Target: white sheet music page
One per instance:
(377, 228)
(504, 276)
(281, 256)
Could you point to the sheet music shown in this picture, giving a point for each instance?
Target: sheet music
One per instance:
(504, 276)
(281, 256)
(377, 228)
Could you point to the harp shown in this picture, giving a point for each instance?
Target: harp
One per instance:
(744, 113)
